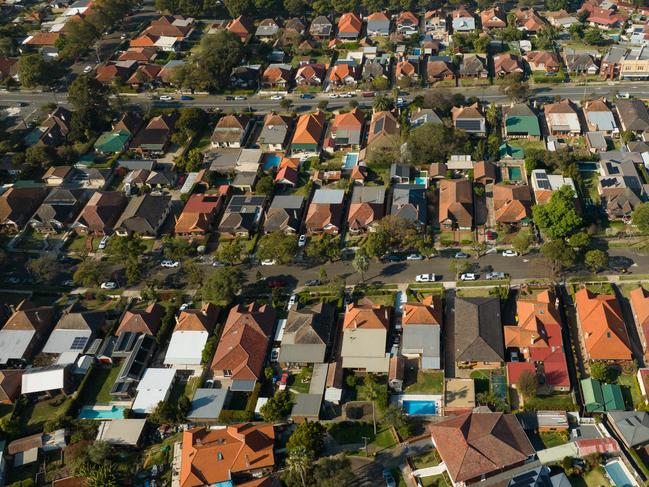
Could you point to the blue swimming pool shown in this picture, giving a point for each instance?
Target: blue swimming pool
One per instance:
(587, 166)
(349, 161)
(421, 180)
(88, 412)
(618, 474)
(419, 407)
(271, 161)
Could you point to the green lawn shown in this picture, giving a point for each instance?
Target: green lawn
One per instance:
(553, 438)
(427, 383)
(384, 439)
(429, 459)
(35, 415)
(191, 386)
(629, 384)
(384, 299)
(475, 292)
(527, 144)
(555, 402)
(97, 390)
(348, 432)
(441, 480)
(594, 478)
(482, 380)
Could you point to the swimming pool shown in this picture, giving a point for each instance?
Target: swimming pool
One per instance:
(514, 173)
(349, 161)
(271, 161)
(419, 407)
(101, 412)
(587, 166)
(421, 180)
(618, 474)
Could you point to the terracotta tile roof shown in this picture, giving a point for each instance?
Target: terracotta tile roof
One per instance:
(241, 26)
(407, 17)
(28, 317)
(198, 213)
(493, 18)
(377, 16)
(472, 111)
(516, 369)
(145, 321)
(438, 69)
(604, 332)
(274, 75)
(363, 214)
(546, 58)
(341, 71)
(320, 215)
(139, 54)
(564, 106)
(309, 129)
(405, 68)
(428, 312)
(350, 23)
(44, 39)
(512, 202)
(212, 456)
(202, 319)
(352, 120)
(145, 40)
(639, 298)
(311, 70)
(506, 64)
(476, 444)
(456, 202)
(367, 317)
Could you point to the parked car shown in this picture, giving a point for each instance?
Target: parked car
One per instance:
(462, 255)
(229, 98)
(415, 257)
(185, 306)
(346, 95)
(292, 301)
(277, 97)
(495, 275)
(368, 94)
(425, 278)
(312, 282)
(301, 242)
(87, 69)
(333, 96)
(277, 283)
(103, 242)
(108, 285)
(186, 97)
(283, 382)
(624, 95)
(274, 355)
(268, 262)
(240, 98)
(307, 96)
(468, 276)
(68, 283)
(510, 253)
(170, 264)
(389, 478)
(166, 97)
(393, 258)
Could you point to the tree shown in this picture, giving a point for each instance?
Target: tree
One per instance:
(381, 103)
(434, 142)
(239, 7)
(265, 185)
(395, 417)
(80, 35)
(558, 218)
(278, 407)
(546, 36)
(640, 217)
(515, 88)
(481, 44)
(91, 103)
(324, 248)
(194, 274)
(176, 248)
(559, 254)
(522, 241)
(332, 472)
(191, 162)
(208, 349)
(596, 260)
(458, 266)
(120, 249)
(579, 240)
(44, 269)
(100, 453)
(89, 273)
(133, 271)
(309, 435)
(527, 384)
(277, 246)
(222, 285)
(230, 252)
(556, 4)
(42, 156)
(299, 461)
(294, 7)
(285, 104)
(98, 475)
(627, 136)
(600, 371)
(361, 263)
(33, 70)
(322, 105)
(594, 37)
(191, 122)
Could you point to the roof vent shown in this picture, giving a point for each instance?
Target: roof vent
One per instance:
(219, 456)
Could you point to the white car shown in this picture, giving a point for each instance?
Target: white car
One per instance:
(415, 257)
(185, 306)
(468, 277)
(240, 98)
(277, 97)
(170, 263)
(425, 278)
(345, 95)
(166, 97)
(103, 243)
(510, 253)
(68, 283)
(108, 285)
(87, 69)
(268, 262)
(333, 96)
(292, 301)
(301, 242)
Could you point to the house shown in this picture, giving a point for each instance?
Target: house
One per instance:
(537, 336)
(24, 332)
(384, 131)
(512, 204)
(193, 328)
(57, 175)
(435, 25)
(599, 117)
(241, 353)
(484, 172)
(51, 379)
(141, 321)
(309, 133)
(620, 187)
(596, 142)
(240, 452)
(155, 137)
(422, 323)
(58, 210)
(528, 20)
(632, 427)
(602, 326)
(562, 118)
(519, 121)
(17, 205)
(117, 72)
(349, 26)
(633, 115)
(410, 203)
(635, 65)
(112, 142)
(346, 130)
(400, 173)
(54, 130)
(242, 216)
(462, 20)
(378, 24)
(198, 215)
(470, 119)
(455, 204)
(154, 387)
(307, 335)
(26, 450)
(295, 25)
(473, 66)
(544, 184)
(242, 27)
(324, 214)
(100, 213)
(420, 116)
(639, 299)
(603, 18)
(144, 214)
(375, 69)
(8, 67)
(321, 28)
(543, 61)
(480, 340)
(277, 76)
(365, 333)
(231, 131)
(287, 176)
(284, 214)
(275, 133)
(246, 77)
(475, 446)
(407, 24)
(366, 208)
(267, 30)
(75, 330)
(406, 69)
(580, 63)
(438, 70)
(145, 54)
(310, 74)
(343, 74)
(506, 64)
(493, 18)
(598, 397)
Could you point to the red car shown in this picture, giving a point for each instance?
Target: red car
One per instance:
(283, 382)
(277, 283)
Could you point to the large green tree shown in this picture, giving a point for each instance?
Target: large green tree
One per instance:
(435, 142)
(558, 218)
(278, 407)
(596, 260)
(33, 70)
(277, 246)
(91, 103)
(558, 254)
(309, 435)
(222, 285)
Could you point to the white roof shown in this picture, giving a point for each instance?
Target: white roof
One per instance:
(328, 196)
(279, 331)
(153, 388)
(121, 431)
(43, 379)
(165, 41)
(67, 358)
(563, 121)
(13, 344)
(189, 183)
(186, 347)
(260, 402)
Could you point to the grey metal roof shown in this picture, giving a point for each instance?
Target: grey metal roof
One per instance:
(368, 194)
(245, 179)
(307, 405)
(13, 344)
(409, 202)
(633, 426)
(243, 385)
(61, 341)
(328, 196)
(207, 404)
(287, 202)
(596, 139)
(601, 120)
(423, 339)
(121, 431)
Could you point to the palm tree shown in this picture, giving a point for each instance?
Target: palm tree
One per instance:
(298, 461)
(361, 263)
(381, 103)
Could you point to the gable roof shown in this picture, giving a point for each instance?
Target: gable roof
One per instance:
(309, 129)
(145, 321)
(512, 203)
(481, 337)
(456, 202)
(633, 426)
(102, 210)
(633, 114)
(366, 317)
(428, 312)
(350, 23)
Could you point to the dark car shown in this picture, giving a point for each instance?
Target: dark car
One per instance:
(229, 98)
(186, 97)
(277, 283)
(312, 282)
(389, 478)
(307, 96)
(394, 258)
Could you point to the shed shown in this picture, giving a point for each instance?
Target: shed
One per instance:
(306, 407)
(122, 432)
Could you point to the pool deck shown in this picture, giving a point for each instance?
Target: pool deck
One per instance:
(624, 469)
(436, 398)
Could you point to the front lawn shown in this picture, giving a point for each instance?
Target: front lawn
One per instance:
(441, 480)
(430, 459)
(427, 383)
(384, 439)
(351, 432)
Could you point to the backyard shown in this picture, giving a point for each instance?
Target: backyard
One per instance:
(97, 390)
(595, 477)
(353, 433)
(426, 383)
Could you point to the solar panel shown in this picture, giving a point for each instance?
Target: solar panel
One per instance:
(542, 181)
(79, 343)
(612, 169)
(379, 125)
